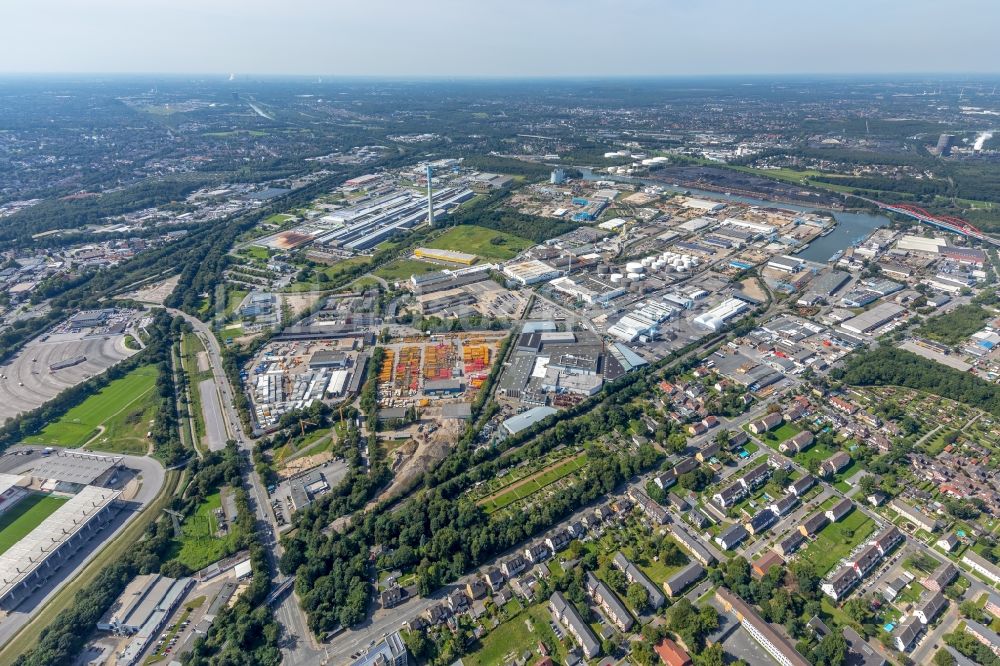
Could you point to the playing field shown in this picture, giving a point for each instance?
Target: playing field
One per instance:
(25, 516)
(486, 243)
(123, 409)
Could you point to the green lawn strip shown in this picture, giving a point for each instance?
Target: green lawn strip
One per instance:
(78, 425)
(191, 346)
(549, 477)
(485, 243)
(233, 299)
(17, 522)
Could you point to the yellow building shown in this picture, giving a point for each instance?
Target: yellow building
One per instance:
(445, 255)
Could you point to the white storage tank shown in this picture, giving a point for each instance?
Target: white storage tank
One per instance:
(616, 277)
(634, 267)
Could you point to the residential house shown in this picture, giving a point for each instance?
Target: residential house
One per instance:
(839, 510)
(767, 562)
(915, 516)
(797, 443)
(948, 543)
(609, 603)
(907, 633)
(800, 486)
(930, 606)
(840, 583)
(941, 578)
(761, 521)
(682, 579)
(981, 565)
(567, 615)
(814, 524)
(791, 543)
(671, 654)
(634, 575)
(984, 635)
(783, 505)
(731, 537)
(513, 566)
(834, 463)
(768, 422)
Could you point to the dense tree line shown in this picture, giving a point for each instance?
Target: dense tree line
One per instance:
(439, 537)
(889, 366)
(955, 326)
(75, 213)
(506, 165)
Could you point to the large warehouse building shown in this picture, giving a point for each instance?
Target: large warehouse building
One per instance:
(28, 564)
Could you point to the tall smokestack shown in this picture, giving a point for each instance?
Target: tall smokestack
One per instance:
(430, 198)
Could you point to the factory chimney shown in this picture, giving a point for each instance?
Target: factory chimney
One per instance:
(430, 198)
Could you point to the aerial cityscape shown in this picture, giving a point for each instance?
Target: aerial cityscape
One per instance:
(404, 358)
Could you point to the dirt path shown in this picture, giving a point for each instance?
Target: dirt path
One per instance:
(530, 478)
(100, 431)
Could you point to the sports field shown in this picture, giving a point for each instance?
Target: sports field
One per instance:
(26, 515)
(530, 485)
(119, 413)
(486, 243)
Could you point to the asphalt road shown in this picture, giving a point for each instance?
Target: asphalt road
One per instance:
(215, 421)
(298, 645)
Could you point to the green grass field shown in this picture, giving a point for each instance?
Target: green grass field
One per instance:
(25, 516)
(124, 408)
(514, 636)
(836, 540)
(191, 345)
(233, 299)
(402, 269)
(547, 477)
(199, 545)
(486, 243)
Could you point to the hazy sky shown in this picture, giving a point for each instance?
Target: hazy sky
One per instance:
(500, 37)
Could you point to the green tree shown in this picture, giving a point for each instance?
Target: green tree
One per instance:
(638, 597)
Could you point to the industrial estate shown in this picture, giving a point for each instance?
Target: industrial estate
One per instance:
(375, 375)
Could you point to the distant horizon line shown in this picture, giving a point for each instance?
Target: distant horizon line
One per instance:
(472, 78)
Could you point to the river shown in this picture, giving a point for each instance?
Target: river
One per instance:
(851, 227)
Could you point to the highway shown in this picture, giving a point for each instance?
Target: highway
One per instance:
(298, 646)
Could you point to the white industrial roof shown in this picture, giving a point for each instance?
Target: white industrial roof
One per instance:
(24, 556)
